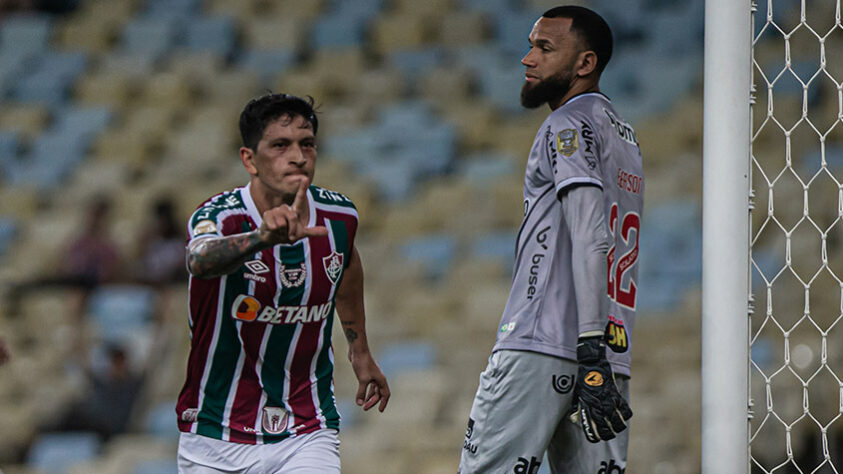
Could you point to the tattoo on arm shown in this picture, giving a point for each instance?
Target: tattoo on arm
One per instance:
(219, 256)
(350, 335)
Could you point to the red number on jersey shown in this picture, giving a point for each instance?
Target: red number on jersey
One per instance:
(631, 221)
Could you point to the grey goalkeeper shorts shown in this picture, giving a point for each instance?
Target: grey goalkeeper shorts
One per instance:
(520, 412)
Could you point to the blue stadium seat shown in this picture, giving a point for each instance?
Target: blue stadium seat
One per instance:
(8, 230)
(212, 34)
(51, 158)
(9, 148)
(80, 120)
(157, 466)
(267, 63)
(184, 9)
(435, 252)
(154, 36)
(161, 420)
(14, 64)
(119, 311)
(413, 63)
(339, 30)
(55, 453)
(512, 28)
(495, 245)
(485, 167)
(26, 33)
(406, 356)
(51, 77)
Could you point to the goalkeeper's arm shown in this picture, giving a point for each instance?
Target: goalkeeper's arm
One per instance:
(600, 409)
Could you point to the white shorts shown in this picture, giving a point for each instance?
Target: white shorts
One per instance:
(312, 453)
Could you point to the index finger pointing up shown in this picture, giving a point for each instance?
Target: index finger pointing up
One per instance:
(300, 202)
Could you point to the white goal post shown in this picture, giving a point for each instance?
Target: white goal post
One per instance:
(725, 282)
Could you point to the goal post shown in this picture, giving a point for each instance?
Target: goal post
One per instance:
(725, 280)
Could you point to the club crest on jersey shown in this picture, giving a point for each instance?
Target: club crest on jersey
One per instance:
(567, 141)
(293, 277)
(333, 266)
(274, 420)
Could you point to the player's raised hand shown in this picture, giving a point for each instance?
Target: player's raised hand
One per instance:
(286, 224)
(372, 386)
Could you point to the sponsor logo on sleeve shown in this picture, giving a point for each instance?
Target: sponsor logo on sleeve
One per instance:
(611, 467)
(616, 336)
(588, 140)
(205, 227)
(567, 141)
(466, 445)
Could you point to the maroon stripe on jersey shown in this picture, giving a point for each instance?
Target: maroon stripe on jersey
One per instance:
(202, 311)
(244, 410)
(349, 219)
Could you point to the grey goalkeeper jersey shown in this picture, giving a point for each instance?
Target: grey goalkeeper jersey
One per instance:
(583, 142)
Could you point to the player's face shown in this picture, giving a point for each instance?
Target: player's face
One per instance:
(285, 154)
(550, 63)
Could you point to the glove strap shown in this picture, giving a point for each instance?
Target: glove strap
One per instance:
(591, 349)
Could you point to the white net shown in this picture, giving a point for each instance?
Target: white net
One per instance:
(797, 238)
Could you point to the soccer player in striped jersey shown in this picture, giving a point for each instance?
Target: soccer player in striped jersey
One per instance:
(573, 291)
(269, 262)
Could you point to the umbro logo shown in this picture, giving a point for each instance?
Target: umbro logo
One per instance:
(257, 267)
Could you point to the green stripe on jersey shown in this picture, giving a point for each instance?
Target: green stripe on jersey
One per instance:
(340, 234)
(292, 257)
(223, 363)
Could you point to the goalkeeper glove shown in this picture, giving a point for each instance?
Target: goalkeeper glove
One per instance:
(600, 408)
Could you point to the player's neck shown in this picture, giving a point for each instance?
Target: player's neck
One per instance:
(582, 86)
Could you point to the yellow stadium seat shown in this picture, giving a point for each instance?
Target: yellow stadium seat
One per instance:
(399, 31)
(106, 87)
(463, 28)
(26, 119)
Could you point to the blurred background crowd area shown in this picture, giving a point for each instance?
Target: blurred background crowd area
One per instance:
(118, 117)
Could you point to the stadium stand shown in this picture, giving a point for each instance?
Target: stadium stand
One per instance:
(422, 127)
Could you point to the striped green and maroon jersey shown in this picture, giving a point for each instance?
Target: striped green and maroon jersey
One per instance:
(261, 363)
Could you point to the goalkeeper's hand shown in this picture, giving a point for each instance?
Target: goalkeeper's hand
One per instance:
(598, 406)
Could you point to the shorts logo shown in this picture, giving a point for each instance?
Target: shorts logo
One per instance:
(616, 337)
(527, 467)
(471, 448)
(611, 468)
(593, 379)
(333, 266)
(567, 141)
(204, 227)
(190, 415)
(563, 383)
(274, 420)
(293, 277)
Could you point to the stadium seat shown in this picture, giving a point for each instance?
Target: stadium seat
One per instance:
(211, 34)
(434, 251)
(406, 357)
(339, 31)
(121, 312)
(55, 453)
(26, 33)
(154, 36)
(268, 63)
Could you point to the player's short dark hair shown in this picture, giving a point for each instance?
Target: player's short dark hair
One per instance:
(261, 111)
(590, 27)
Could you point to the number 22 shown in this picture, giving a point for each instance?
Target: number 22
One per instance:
(631, 221)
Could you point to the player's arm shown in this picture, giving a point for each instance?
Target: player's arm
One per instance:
(600, 409)
(372, 386)
(210, 257)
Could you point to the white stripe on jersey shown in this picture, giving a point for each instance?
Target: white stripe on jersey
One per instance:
(291, 352)
(258, 368)
(564, 184)
(211, 349)
(338, 209)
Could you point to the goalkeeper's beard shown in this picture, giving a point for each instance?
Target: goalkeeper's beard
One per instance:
(549, 90)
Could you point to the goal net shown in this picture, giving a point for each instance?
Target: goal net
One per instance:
(796, 238)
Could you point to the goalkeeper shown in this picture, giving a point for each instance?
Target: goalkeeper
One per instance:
(557, 380)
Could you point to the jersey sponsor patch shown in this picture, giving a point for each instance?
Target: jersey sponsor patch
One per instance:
(189, 415)
(567, 141)
(616, 337)
(333, 266)
(205, 227)
(292, 277)
(248, 309)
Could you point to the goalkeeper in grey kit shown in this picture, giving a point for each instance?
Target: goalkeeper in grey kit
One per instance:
(557, 382)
